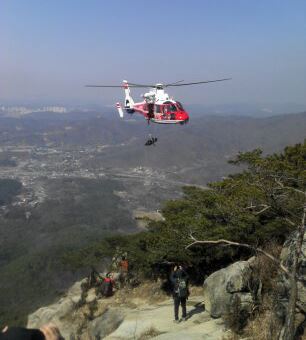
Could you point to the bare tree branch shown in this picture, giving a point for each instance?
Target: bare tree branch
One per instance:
(262, 210)
(253, 207)
(290, 222)
(282, 186)
(236, 244)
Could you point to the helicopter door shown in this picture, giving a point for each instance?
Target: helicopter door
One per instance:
(172, 110)
(167, 112)
(164, 112)
(150, 110)
(157, 112)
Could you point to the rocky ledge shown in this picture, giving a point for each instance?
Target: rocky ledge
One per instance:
(83, 316)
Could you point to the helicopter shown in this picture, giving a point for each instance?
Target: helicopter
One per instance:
(157, 106)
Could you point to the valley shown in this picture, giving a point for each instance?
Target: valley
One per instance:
(76, 182)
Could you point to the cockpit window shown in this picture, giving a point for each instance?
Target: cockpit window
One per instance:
(180, 106)
(170, 108)
(173, 108)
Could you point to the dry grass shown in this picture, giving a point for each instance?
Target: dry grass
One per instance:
(150, 333)
(231, 336)
(196, 290)
(261, 326)
(265, 269)
(264, 327)
(147, 292)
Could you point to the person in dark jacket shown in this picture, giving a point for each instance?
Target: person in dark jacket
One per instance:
(179, 279)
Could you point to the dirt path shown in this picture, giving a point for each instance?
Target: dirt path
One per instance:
(156, 321)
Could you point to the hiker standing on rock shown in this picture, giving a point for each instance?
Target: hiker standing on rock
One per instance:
(124, 269)
(179, 279)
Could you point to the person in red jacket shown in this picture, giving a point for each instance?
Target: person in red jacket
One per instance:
(124, 265)
(107, 286)
(124, 269)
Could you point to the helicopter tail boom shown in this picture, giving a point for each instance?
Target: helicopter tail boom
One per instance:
(120, 111)
(128, 101)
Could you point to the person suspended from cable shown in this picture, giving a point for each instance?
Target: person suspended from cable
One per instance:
(151, 140)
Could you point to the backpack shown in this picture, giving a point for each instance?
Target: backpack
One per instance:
(181, 288)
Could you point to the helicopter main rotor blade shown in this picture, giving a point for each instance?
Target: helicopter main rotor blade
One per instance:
(117, 86)
(141, 85)
(177, 83)
(200, 82)
(155, 85)
(170, 84)
(103, 86)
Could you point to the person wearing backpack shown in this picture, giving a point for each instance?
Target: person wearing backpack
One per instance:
(179, 279)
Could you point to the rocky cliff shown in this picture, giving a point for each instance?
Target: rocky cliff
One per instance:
(140, 313)
(146, 312)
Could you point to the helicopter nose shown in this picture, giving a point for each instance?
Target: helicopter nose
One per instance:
(183, 117)
(186, 117)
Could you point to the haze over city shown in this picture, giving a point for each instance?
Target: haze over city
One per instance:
(51, 49)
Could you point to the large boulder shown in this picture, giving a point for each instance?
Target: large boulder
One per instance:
(229, 287)
(283, 284)
(58, 312)
(105, 324)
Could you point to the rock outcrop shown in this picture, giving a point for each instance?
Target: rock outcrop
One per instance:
(82, 315)
(284, 286)
(231, 287)
(58, 312)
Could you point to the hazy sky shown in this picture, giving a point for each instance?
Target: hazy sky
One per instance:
(49, 49)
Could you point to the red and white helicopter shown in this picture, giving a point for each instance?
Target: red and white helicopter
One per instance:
(157, 106)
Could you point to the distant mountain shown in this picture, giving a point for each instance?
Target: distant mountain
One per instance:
(245, 109)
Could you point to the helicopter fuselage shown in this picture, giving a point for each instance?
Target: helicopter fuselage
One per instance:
(157, 107)
(169, 112)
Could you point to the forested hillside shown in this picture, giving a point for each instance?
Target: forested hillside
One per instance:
(256, 206)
